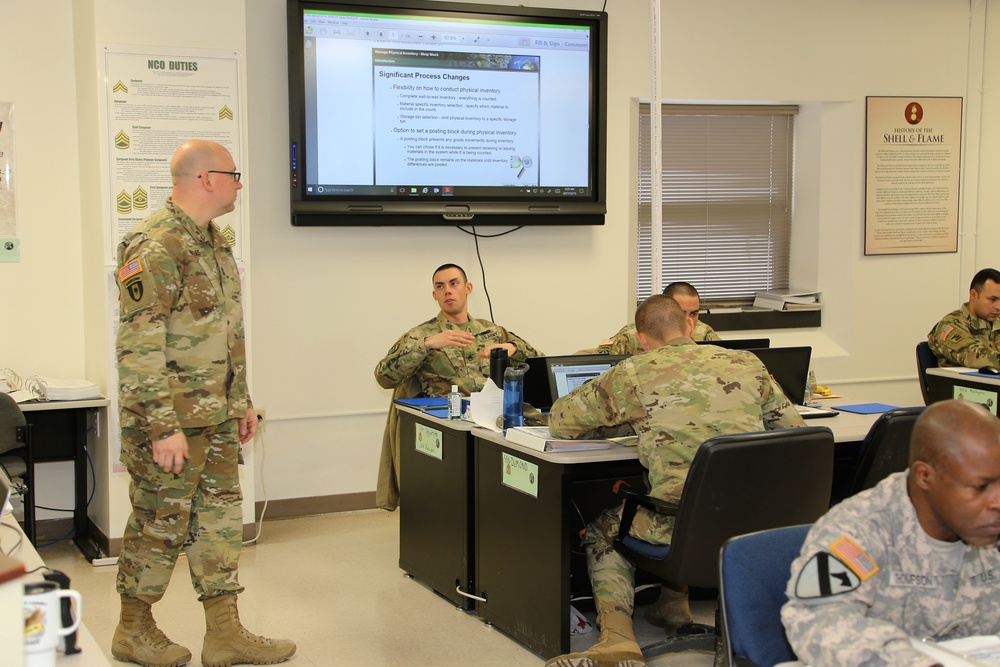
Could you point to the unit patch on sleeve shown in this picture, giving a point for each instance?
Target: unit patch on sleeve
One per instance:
(823, 576)
(134, 293)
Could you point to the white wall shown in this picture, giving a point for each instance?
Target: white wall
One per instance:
(327, 303)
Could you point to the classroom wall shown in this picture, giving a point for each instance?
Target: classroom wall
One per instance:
(326, 303)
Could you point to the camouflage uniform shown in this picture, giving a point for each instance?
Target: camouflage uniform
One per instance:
(437, 370)
(962, 339)
(181, 367)
(626, 341)
(883, 582)
(675, 397)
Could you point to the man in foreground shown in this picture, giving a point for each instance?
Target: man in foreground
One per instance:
(626, 341)
(916, 556)
(674, 397)
(185, 410)
(970, 336)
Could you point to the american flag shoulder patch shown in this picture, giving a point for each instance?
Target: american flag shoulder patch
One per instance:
(945, 331)
(854, 557)
(129, 270)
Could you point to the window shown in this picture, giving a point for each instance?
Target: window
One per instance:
(727, 199)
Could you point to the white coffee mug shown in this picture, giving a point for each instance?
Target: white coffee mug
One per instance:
(43, 621)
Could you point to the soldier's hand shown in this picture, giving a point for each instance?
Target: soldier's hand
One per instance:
(510, 347)
(448, 338)
(171, 453)
(248, 426)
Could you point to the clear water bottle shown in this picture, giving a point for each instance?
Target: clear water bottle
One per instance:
(812, 385)
(513, 395)
(454, 403)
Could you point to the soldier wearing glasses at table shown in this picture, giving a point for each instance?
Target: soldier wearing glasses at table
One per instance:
(185, 410)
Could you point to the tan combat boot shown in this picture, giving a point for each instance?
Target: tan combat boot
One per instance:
(671, 610)
(616, 648)
(227, 642)
(138, 640)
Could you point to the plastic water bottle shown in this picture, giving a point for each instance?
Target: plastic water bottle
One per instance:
(454, 403)
(513, 395)
(812, 385)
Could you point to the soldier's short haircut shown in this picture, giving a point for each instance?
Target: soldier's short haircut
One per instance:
(681, 288)
(660, 316)
(979, 280)
(450, 266)
(943, 426)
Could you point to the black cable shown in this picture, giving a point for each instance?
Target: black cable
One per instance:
(605, 6)
(20, 539)
(479, 256)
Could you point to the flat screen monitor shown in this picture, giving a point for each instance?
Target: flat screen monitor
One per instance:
(408, 112)
(739, 343)
(789, 366)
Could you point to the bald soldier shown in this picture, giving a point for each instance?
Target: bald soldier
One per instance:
(970, 336)
(626, 341)
(185, 410)
(916, 556)
(674, 397)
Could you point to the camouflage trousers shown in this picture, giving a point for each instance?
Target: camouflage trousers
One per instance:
(611, 576)
(197, 509)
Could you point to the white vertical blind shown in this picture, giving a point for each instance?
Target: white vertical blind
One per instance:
(727, 199)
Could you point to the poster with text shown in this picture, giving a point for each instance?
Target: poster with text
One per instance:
(914, 150)
(155, 102)
(8, 201)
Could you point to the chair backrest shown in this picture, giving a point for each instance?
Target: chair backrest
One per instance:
(743, 483)
(886, 448)
(12, 424)
(753, 575)
(925, 360)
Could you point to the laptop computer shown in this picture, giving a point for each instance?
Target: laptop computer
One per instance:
(738, 344)
(789, 367)
(549, 378)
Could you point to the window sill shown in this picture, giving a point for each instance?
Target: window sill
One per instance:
(762, 319)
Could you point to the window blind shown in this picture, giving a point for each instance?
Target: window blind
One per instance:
(727, 199)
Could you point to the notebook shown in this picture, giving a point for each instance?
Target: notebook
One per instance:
(789, 367)
(549, 378)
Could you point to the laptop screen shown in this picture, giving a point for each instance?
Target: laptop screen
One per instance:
(789, 366)
(549, 378)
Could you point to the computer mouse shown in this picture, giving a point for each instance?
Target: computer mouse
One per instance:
(989, 370)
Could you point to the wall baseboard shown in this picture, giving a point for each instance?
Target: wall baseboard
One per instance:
(49, 530)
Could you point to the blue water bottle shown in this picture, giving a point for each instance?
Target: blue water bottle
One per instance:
(513, 395)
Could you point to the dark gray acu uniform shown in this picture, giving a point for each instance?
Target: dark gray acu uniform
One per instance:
(868, 578)
(181, 366)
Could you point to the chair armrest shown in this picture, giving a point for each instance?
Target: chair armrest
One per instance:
(632, 503)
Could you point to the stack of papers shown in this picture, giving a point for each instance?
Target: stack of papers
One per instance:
(539, 438)
(54, 389)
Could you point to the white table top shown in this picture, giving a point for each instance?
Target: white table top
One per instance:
(31, 406)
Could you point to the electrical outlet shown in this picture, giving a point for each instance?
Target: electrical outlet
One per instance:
(261, 419)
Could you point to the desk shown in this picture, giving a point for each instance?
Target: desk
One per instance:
(59, 433)
(460, 523)
(944, 383)
(90, 655)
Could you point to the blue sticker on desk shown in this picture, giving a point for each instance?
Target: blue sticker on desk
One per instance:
(428, 441)
(520, 475)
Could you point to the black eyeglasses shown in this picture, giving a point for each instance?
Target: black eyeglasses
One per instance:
(235, 174)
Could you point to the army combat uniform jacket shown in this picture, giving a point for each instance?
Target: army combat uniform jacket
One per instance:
(868, 578)
(962, 339)
(181, 347)
(626, 341)
(437, 370)
(675, 398)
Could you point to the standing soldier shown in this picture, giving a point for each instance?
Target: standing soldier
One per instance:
(185, 410)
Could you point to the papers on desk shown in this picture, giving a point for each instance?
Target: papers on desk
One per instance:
(866, 408)
(55, 389)
(486, 406)
(979, 650)
(539, 438)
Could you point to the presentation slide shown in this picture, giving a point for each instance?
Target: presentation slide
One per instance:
(455, 118)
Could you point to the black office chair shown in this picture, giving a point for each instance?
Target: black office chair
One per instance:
(925, 359)
(753, 575)
(15, 457)
(737, 484)
(885, 450)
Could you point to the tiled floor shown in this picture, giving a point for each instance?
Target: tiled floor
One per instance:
(332, 584)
